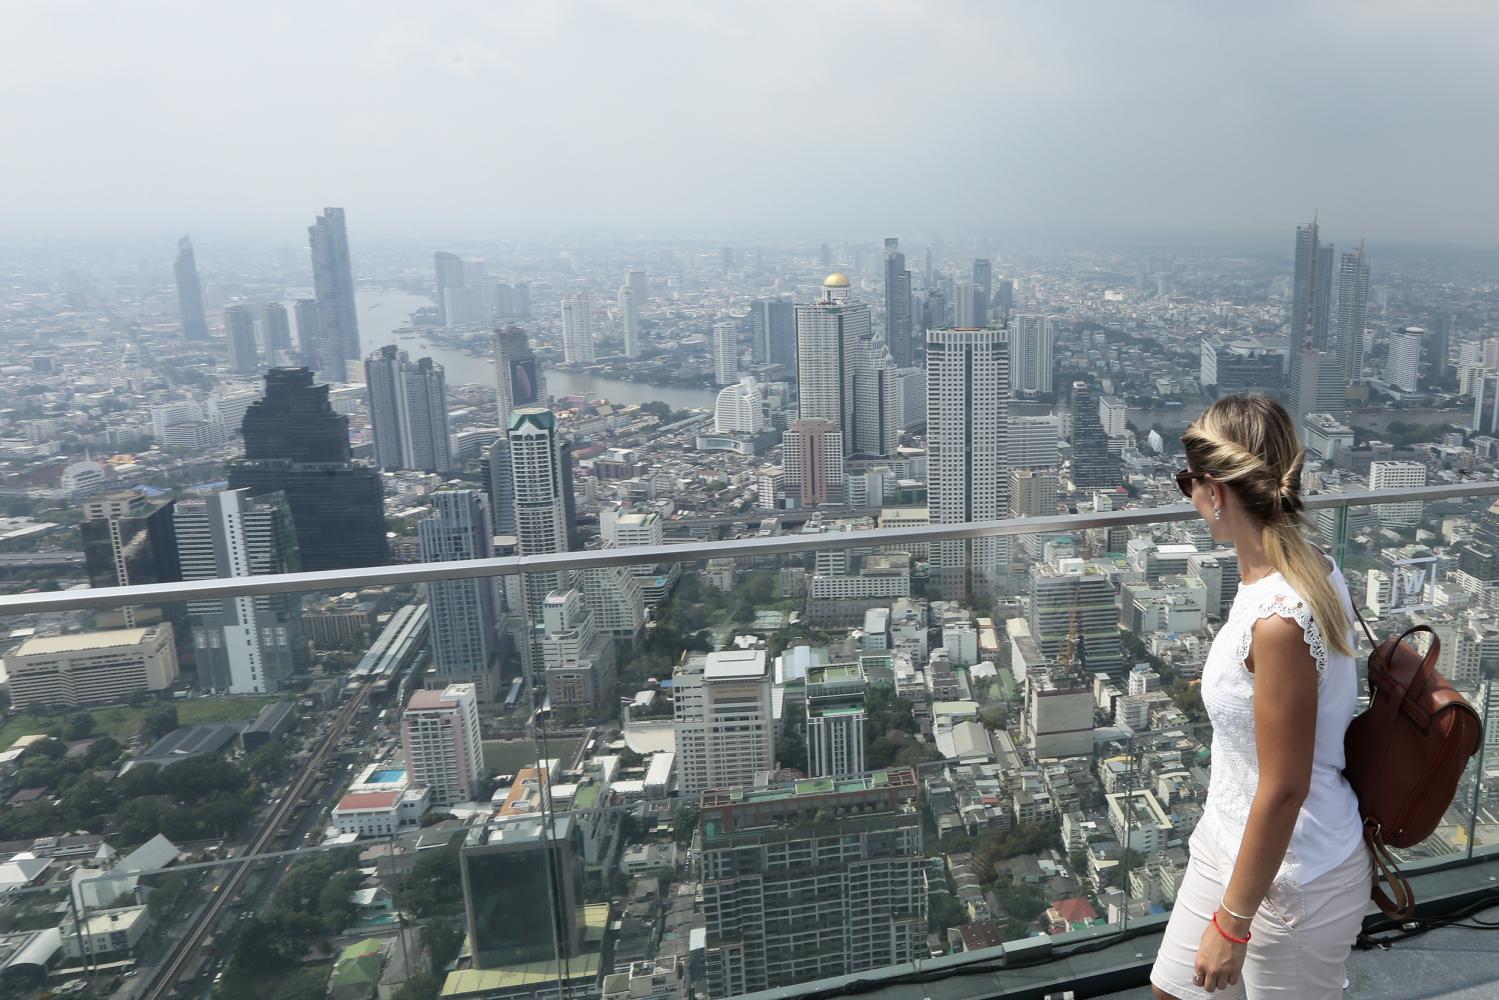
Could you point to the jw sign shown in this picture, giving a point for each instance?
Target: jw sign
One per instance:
(1413, 584)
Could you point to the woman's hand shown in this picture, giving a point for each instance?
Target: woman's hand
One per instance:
(1220, 962)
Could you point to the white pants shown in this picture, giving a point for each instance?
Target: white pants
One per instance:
(1300, 937)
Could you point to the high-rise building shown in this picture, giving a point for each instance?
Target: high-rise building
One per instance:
(1033, 492)
(1397, 476)
(1093, 466)
(773, 322)
(1113, 413)
(189, 293)
(276, 325)
(495, 466)
(629, 321)
(408, 411)
(296, 444)
(825, 334)
(442, 742)
(1004, 297)
(450, 274)
(1074, 614)
(333, 284)
(898, 325)
(725, 726)
(1353, 293)
(836, 714)
(523, 896)
(740, 409)
(1438, 348)
(130, 541)
(968, 404)
(983, 287)
(579, 658)
(861, 905)
(812, 460)
(639, 286)
(239, 330)
(1315, 381)
(519, 379)
(1034, 442)
(243, 645)
(1035, 354)
(577, 328)
(543, 509)
(1485, 404)
(465, 619)
(726, 352)
(1403, 366)
(309, 337)
(1231, 366)
(91, 668)
(965, 315)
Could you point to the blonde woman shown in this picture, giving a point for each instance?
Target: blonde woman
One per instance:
(1279, 879)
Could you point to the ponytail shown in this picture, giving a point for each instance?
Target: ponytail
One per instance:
(1305, 569)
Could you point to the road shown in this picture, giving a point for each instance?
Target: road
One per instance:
(179, 956)
(39, 560)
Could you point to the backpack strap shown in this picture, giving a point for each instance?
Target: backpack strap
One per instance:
(1387, 870)
(1373, 642)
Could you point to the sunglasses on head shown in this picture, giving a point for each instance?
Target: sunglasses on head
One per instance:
(1185, 478)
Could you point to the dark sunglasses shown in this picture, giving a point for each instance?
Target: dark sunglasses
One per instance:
(1185, 478)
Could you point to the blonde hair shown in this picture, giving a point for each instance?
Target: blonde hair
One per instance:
(1248, 443)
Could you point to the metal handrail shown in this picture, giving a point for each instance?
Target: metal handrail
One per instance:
(405, 573)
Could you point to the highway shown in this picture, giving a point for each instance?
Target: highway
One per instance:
(172, 966)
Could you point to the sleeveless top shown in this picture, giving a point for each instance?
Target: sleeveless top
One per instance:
(1328, 828)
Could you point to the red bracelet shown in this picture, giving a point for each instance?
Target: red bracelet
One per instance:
(1227, 935)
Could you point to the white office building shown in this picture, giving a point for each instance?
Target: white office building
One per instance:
(725, 724)
(1396, 476)
(1035, 354)
(442, 742)
(726, 352)
(577, 328)
(740, 409)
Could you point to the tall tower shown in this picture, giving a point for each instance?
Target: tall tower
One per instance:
(442, 742)
(245, 645)
(726, 352)
(1353, 293)
(773, 326)
(629, 321)
(898, 305)
(465, 613)
(542, 487)
(1035, 354)
(189, 293)
(577, 328)
(333, 283)
(450, 274)
(812, 460)
(309, 337)
(983, 286)
(519, 380)
(1314, 381)
(277, 327)
(239, 329)
(1093, 467)
(968, 409)
(845, 373)
(297, 444)
(408, 411)
(129, 541)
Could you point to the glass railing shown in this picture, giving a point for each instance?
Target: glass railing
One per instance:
(772, 763)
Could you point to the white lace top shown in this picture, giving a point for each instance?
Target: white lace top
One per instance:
(1328, 828)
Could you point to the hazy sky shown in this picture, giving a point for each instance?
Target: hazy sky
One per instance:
(803, 118)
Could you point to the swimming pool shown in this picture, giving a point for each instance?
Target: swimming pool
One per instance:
(385, 776)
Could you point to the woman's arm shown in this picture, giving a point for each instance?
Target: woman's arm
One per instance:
(1285, 729)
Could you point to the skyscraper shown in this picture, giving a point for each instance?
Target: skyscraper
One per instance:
(983, 287)
(577, 328)
(639, 286)
(1035, 355)
(408, 411)
(968, 408)
(239, 330)
(276, 325)
(898, 305)
(519, 380)
(726, 352)
(523, 895)
(295, 443)
(189, 293)
(495, 467)
(836, 715)
(629, 321)
(1093, 467)
(442, 742)
(725, 726)
(309, 338)
(740, 409)
(129, 541)
(1074, 615)
(845, 373)
(1316, 380)
(450, 274)
(333, 283)
(1353, 292)
(244, 645)
(812, 461)
(773, 326)
(464, 613)
(1485, 405)
(1403, 367)
(542, 508)
(766, 928)
(965, 313)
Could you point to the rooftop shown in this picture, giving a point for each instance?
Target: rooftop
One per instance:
(368, 800)
(52, 645)
(735, 664)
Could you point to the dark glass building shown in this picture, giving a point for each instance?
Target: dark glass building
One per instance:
(1093, 467)
(773, 322)
(297, 444)
(129, 541)
(521, 891)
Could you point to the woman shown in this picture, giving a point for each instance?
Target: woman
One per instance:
(1279, 877)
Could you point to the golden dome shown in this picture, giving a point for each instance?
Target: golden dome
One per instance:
(835, 280)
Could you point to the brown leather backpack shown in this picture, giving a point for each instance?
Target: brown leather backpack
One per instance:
(1405, 755)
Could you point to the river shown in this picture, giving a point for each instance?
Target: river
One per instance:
(384, 312)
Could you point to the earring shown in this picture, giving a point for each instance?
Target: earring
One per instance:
(1217, 513)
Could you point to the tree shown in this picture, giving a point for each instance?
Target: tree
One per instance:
(422, 986)
(444, 940)
(160, 719)
(684, 824)
(943, 911)
(995, 716)
(80, 726)
(305, 984)
(1023, 902)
